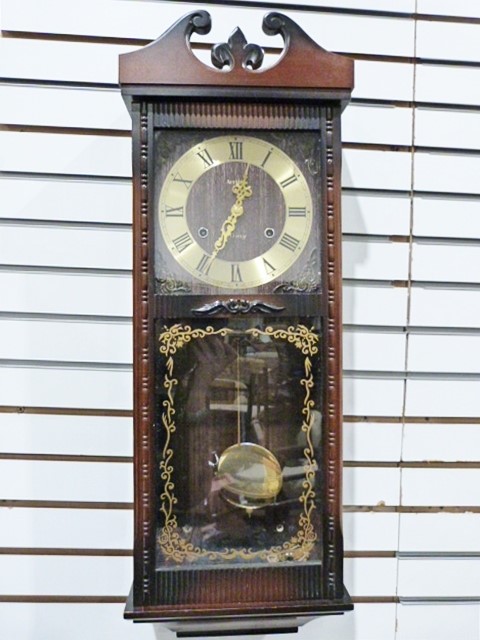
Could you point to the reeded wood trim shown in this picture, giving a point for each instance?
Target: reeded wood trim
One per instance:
(143, 359)
(252, 585)
(332, 353)
(241, 115)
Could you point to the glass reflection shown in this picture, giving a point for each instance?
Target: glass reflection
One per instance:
(243, 424)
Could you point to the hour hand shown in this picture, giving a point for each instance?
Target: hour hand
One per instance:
(242, 190)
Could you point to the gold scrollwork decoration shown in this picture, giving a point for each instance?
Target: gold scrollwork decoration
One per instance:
(172, 544)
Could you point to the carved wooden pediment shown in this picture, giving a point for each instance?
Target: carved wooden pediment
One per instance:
(170, 61)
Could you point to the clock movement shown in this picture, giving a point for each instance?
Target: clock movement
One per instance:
(237, 331)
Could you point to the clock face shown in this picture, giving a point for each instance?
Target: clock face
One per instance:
(235, 211)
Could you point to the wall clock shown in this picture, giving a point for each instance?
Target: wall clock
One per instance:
(237, 331)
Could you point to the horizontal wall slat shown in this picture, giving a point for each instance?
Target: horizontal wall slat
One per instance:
(450, 353)
(454, 532)
(75, 621)
(94, 63)
(373, 441)
(45, 575)
(376, 169)
(383, 80)
(441, 486)
(111, 342)
(370, 397)
(370, 576)
(149, 20)
(374, 486)
(45, 480)
(60, 61)
(107, 248)
(467, 8)
(439, 578)
(371, 260)
(452, 442)
(438, 621)
(443, 40)
(68, 341)
(445, 263)
(97, 576)
(442, 172)
(376, 125)
(65, 199)
(66, 528)
(104, 529)
(31, 292)
(92, 155)
(105, 109)
(444, 216)
(63, 107)
(66, 435)
(442, 398)
(434, 307)
(381, 305)
(86, 481)
(96, 621)
(370, 531)
(65, 154)
(78, 388)
(375, 214)
(373, 351)
(66, 247)
(448, 85)
(447, 128)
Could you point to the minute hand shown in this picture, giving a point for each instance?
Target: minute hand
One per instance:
(242, 190)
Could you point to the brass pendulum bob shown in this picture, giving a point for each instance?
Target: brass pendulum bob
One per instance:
(252, 473)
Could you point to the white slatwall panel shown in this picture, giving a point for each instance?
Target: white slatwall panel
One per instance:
(72, 435)
(66, 247)
(65, 308)
(66, 199)
(96, 622)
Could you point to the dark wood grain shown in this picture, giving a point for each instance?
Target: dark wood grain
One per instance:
(172, 95)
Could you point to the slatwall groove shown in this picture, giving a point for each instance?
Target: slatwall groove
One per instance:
(41, 599)
(347, 508)
(206, 46)
(31, 128)
(66, 504)
(348, 464)
(319, 7)
(358, 101)
(48, 551)
(65, 176)
(49, 457)
(67, 411)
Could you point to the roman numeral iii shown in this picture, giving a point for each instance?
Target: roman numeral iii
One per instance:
(289, 242)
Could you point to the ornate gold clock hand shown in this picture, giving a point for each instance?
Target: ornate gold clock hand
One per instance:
(242, 190)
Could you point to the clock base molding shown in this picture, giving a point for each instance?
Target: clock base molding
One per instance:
(221, 620)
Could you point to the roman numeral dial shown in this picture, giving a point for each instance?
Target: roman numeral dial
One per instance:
(235, 212)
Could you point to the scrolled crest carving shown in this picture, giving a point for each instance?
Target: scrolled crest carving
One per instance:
(200, 22)
(237, 52)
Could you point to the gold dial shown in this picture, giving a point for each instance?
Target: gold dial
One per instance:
(235, 211)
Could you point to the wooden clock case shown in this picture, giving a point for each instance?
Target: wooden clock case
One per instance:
(166, 86)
